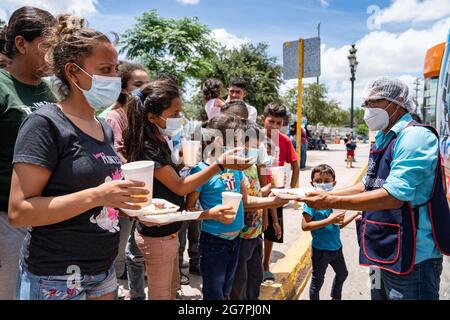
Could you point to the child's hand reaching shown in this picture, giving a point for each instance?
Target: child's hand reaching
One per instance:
(229, 160)
(337, 218)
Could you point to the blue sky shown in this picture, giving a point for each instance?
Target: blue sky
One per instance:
(392, 38)
(271, 21)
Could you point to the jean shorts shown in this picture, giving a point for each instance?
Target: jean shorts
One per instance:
(65, 287)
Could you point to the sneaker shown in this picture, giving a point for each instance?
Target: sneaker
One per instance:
(184, 279)
(194, 270)
(123, 294)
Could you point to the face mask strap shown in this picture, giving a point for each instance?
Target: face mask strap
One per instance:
(82, 70)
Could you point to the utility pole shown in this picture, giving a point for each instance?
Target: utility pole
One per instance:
(417, 88)
(353, 65)
(318, 34)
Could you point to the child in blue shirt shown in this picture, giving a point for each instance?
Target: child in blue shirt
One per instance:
(219, 242)
(325, 230)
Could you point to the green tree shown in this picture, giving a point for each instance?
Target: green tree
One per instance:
(358, 116)
(182, 47)
(316, 106)
(194, 108)
(252, 63)
(362, 129)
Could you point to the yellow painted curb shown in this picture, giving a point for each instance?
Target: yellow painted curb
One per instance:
(292, 272)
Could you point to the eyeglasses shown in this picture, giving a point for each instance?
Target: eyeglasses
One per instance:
(371, 104)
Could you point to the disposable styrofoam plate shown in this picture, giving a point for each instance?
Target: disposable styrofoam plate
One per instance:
(171, 217)
(291, 194)
(150, 210)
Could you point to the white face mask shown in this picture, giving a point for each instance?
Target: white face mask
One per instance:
(104, 91)
(377, 118)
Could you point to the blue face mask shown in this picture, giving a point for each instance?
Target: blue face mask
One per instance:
(104, 91)
(324, 186)
(173, 127)
(253, 153)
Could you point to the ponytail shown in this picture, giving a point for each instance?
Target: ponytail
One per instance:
(134, 135)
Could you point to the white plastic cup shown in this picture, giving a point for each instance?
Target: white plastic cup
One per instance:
(231, 199)
(190, 152)
(141, 171)
(278, 175)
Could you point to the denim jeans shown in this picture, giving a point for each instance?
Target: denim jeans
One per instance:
(64, 287)
(320, 261)
(249, 272)
(11, 240)
(218, 263)
(191, 229)
(304, 152)
(421, 284)
(135, 268)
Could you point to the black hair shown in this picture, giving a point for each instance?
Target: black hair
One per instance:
(323, 169)
(238, 82)
(211, 88)
(28, 22)
(221, 122)
(166, 76)
(238, 108)
(157, 96)
(276, 110)
(125, 71)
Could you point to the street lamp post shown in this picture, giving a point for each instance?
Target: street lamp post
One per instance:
(353, 64)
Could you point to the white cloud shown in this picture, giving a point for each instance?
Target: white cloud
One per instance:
(324, 3)
(380, 53)
(189, 2)
(227, 39)
(77, 7)
(414, 11)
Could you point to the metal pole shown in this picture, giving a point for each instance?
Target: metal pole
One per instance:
(351, 106)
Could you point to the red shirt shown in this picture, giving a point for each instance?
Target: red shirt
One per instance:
(285, 152)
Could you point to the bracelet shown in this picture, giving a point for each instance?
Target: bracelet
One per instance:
(220, 165)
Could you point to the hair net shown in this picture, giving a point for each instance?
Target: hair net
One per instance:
(390, 89)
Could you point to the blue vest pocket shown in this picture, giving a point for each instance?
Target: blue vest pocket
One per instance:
(381, 241)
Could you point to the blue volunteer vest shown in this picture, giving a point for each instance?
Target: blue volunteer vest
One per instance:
(387, 238)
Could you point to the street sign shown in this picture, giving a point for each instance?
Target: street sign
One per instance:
(311, 59)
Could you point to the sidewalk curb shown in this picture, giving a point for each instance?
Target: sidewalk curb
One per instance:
(292, 272)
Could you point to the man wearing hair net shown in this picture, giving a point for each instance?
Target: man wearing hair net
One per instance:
(405, 221)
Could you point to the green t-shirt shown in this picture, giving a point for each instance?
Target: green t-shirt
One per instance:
(17, 100)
